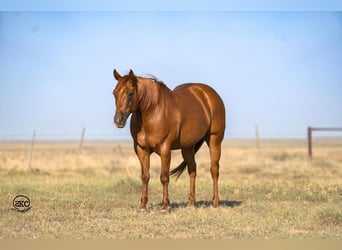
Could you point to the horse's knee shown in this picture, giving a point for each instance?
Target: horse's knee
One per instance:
(164, 178)
(145, 177)
(214, 170)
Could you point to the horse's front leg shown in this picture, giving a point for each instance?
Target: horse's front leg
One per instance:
(144, 158)
(165, 155)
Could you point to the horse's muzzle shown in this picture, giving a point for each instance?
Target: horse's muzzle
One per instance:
(120, 119)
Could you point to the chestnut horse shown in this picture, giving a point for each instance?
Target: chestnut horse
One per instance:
(163, 120)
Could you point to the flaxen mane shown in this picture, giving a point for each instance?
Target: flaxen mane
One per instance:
(150, 91)
(155, 79)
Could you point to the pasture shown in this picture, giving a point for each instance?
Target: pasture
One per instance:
(274, 192)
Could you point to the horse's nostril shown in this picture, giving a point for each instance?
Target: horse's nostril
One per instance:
(120, 119)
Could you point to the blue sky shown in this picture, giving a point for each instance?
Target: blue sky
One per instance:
(174, 5)
(278, 70)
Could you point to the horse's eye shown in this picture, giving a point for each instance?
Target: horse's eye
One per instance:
(130, 94)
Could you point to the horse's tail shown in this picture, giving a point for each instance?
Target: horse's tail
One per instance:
(180, 169)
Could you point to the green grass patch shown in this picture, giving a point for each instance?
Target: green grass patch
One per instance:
(104, 207)
(322, 163)
(284, 156)
(331, 216)
(250, 170)
(128, 186)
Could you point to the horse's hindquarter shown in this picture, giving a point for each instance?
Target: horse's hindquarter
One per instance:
(197, 104)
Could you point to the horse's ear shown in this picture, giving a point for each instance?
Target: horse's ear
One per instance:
(116, 74)
(131, 74)
(132, 77)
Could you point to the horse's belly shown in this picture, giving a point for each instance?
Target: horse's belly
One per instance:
(193, 132)
(194, 126)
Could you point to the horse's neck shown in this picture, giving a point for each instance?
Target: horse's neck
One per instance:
(150, 94)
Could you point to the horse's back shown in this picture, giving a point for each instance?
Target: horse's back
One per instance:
(202, 92)
(199, 88)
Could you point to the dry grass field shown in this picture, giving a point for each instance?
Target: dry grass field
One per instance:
(274, 192)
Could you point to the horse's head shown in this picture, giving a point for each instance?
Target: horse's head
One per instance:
(126, 98)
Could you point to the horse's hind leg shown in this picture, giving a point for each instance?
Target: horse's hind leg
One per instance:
(214, 143)
(189, 158)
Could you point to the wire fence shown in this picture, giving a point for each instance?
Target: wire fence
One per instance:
(90, 135)
(325, 129)
(36, 140)
(57, 137)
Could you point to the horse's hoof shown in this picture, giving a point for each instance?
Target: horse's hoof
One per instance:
(215, 203)
(190, 205)
(141, 210)
(214, 207)
(164, 210)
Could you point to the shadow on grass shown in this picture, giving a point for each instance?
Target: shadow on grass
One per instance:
(198, 204)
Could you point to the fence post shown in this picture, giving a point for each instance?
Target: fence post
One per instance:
(310, 142)
(82, 138)
(31, 149)
(257, 136)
